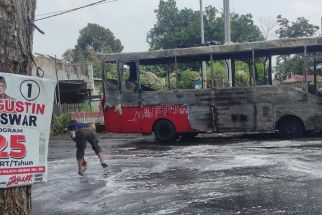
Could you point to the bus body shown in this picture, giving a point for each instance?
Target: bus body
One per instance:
(130, 107)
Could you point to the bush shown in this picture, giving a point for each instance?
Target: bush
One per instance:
(187, 79)
(151, 80)
(59, 123)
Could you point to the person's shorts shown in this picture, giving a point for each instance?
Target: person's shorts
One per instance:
(84, 135)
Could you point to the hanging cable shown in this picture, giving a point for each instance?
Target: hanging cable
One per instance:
(60, 11)
(74, 9)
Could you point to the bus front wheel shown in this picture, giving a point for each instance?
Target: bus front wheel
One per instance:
(165, 131)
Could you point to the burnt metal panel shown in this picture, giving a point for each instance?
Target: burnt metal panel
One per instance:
(264, 117)
(200, 117)
(234, 109)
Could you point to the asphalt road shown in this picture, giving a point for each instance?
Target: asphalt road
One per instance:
(252, 175)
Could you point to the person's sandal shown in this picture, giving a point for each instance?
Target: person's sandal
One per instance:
(104, 165)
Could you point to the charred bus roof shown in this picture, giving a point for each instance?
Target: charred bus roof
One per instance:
(245, 50)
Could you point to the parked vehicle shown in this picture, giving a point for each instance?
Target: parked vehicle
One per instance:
(130, 107)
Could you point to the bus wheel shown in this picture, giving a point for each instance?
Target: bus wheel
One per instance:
(189, 136)
(291, 127)
(164, 131)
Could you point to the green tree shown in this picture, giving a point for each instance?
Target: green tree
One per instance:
(93, 41)
(244, 29)
(73, 55)
(173, 26)
(181, 28)
(300, 28)
(291, 64)
(242, 74)
(216, 70)
(97, 38)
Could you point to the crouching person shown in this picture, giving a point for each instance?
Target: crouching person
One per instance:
(81, 133)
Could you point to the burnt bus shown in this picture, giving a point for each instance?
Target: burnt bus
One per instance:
(131, 107)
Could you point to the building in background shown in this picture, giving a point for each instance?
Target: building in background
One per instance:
(76, 83)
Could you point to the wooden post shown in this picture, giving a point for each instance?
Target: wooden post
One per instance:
(270, 81)
(315, 76)
(176, 71)
(250, 72)
(233, 73)
(253, 67)
(212, 71)
(305, 83)
(168, 76)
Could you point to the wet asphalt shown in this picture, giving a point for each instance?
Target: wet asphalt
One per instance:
(209, 175)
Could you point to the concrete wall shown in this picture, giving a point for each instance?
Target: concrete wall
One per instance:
(65, 71)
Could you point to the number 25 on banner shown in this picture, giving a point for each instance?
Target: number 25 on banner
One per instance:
(17, 148)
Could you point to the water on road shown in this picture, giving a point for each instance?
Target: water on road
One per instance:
(205, 176)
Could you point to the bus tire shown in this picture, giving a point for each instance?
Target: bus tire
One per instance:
(291, 127)
(164, 131)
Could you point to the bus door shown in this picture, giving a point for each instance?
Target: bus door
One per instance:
(130, 119)
(111, 99)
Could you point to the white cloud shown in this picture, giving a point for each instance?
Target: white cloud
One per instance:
(131, 20)
(64, 4)
(305, 9)
(78, 17)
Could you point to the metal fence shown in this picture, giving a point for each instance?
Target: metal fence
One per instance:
(67, 108)
(96, 117)
(82, 112)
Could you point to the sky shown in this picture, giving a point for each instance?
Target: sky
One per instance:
(131, 20)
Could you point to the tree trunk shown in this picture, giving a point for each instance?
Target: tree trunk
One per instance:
(16, 35)
(16, 200)
(16, 39)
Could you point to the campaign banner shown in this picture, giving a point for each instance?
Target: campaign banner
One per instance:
(26, 106)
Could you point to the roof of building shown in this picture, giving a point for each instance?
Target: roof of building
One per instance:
(298, 78)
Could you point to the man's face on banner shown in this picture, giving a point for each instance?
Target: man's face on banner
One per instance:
(2, 88)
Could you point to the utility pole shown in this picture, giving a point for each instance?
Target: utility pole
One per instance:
(228, 74)
(203, 64)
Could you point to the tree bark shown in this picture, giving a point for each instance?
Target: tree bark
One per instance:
(16, 35)
(16, 39)
(16, 200)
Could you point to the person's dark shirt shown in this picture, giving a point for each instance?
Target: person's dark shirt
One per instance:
(77, 125)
